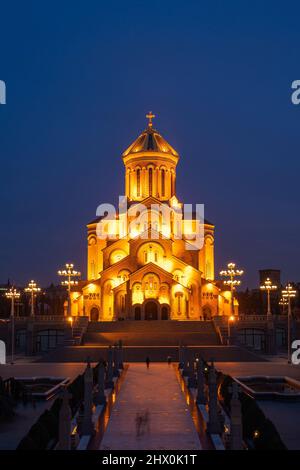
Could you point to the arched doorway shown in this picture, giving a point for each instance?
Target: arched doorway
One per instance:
(151, 310)
(206, 312)
(165, 312)
(138, 313)
(94, 314)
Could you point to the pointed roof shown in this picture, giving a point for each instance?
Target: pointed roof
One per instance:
(150, 140)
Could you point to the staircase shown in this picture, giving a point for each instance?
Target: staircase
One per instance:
(152, 333)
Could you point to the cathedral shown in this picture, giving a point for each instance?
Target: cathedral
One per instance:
(142, 263)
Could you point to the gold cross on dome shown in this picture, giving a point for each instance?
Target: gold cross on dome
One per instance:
(150, 116)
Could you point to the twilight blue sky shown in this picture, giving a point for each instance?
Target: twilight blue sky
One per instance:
(80, 78)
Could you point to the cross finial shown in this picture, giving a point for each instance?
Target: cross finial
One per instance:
(150, 116)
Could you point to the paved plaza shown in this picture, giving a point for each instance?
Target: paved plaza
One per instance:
(157, 391)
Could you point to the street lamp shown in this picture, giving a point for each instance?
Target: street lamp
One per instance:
(69, 273)
(33, 289)
(12, 294)
(288, 293)
(268, 287)
(231, 319)
(70, 319)
(231, 272)
(283, 302)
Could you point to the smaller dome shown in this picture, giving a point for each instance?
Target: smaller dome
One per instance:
(150, 141)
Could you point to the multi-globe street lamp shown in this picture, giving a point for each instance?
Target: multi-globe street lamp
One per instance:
(267, 286)
(288, 293)
(283, 303)
(70, 274)
(231, 272)
(12, 294)
(32, 289)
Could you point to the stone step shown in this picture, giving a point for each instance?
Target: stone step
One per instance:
(157, 325)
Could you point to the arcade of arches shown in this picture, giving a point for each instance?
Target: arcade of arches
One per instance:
(154, 276)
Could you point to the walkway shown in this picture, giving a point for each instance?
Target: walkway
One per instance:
(170, 423)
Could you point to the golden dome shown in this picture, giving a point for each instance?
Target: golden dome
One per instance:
(150, 141)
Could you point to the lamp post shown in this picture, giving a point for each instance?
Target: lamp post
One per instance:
(268, 287)
(69, 273)
(12, 294)
(70, 319)
(288, 293)
(283, 303)
(231, 319)
(33, 289)
(231, 272)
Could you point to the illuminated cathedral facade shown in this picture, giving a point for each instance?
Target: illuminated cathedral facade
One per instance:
(139, 268)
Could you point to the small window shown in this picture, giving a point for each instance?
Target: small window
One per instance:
(150, 181)
(163, 182)
(138, 183)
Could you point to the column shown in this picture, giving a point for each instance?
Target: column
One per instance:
(64, 426)
(116, 372)
(87, 423)
(109, 383)
(236, 428)
(201, 398)
(99, 397)
(214, 425)
(143, 183)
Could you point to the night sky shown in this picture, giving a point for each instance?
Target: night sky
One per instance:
(80, 78)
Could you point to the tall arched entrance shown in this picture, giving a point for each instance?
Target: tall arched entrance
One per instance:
(138, 312)
(94, 314)
(206, 312)
(165, 312)
(151, 310)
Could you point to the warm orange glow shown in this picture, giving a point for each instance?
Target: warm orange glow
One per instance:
(147, 250)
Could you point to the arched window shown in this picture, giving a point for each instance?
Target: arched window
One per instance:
(172, 184)
(122, 303)
(162, 183)
(150, 181)
(138, 182)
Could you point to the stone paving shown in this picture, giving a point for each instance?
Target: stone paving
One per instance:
(157, 390)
